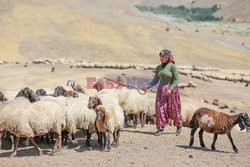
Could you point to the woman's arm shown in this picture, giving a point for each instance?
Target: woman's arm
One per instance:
(155, 80)
(175, 73)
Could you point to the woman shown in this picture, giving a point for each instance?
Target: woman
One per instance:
(168, 104)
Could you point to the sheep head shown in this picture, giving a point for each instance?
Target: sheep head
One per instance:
(100, 112)
(94, 101)
(41, 92)
(2, 98)
(78, 88)
(98, 86)
(59, 91)
(29, 94)
(243, 121)
(71, 94)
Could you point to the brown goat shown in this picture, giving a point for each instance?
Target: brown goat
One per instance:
(216, 122)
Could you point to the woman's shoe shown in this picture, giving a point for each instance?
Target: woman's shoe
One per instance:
(178, 131)
(159, 132)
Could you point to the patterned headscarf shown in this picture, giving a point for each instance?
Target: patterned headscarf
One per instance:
(167, 53)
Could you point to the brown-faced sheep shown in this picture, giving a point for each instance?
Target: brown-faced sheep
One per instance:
(109, 119)
(216, 122)
(77, 88)
(60, 91)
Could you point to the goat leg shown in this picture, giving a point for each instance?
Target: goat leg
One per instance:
(213, 144)
(39, 150)
(201, 137)
(192, 136)
(15, 148)
(232, 142)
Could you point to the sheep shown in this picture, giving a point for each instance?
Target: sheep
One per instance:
(60, 91)
(25, 119)
(29, 94)
(77, 88)
(41, 92)
(2, 97)
(218, 123)
(137, 105)
(109, 118)
(151, 109)
(78, 115)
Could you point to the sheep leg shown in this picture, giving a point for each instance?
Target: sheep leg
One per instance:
(232, 142)
(104, 143)
(114, 137)
(27, 143)
(192, 136)
(116, 140)
(126, 120)
(99, 136)
(88, 140)
(213, 144)
(58, 144)
(135, 119)
(12, 139)
(201, 138)
(39, 150)
(108, 138)
(142, 119)
(16, 147)
(1, 135)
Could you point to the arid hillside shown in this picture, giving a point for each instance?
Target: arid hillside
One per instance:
(115, 31)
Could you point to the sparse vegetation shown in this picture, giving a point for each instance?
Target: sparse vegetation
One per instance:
(167, 29)
(192, 14)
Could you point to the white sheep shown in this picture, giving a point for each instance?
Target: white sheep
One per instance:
(25, 119)
(137, 105)
(77, 114)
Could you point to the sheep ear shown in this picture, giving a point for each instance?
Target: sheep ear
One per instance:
(99, 101)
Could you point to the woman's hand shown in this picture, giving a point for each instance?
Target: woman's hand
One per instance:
(169, 92)
(145, 89)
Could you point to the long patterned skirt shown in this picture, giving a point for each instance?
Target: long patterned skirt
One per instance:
(167, 107)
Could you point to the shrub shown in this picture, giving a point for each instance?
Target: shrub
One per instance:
(192, 14)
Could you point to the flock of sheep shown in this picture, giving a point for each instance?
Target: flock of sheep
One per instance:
(27, 114)
(63, 110)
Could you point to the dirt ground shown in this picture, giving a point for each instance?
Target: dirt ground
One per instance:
(138, 147)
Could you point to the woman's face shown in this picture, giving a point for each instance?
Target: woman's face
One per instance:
(163, 59)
